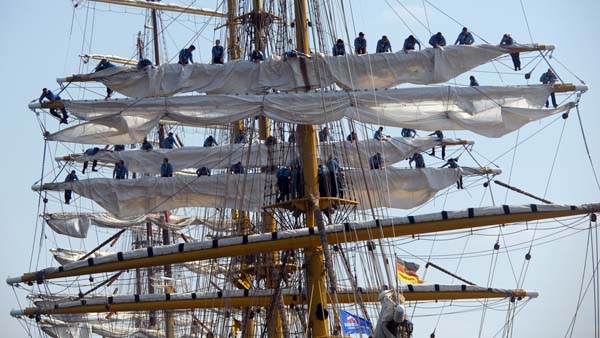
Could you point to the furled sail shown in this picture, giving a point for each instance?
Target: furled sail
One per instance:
(356, 155)
(77, 224)
(380, 70)
(407, 188)
(487, 110)
(65, 256)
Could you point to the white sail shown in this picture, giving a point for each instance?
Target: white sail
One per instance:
(66, 256)
(406, 188)
(257, 155)
(487, 110)
(77, 224)
(57, 329)
(380, 70)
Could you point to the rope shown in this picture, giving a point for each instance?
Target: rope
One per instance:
(587, 148)
(526, 21)
(456, 21)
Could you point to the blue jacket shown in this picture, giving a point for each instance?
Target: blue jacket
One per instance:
(169, 142)
(410, 44)
(71, 178)
(360, 43)
(548, 78)
(384, 47)
(464, 39)
(339, 49)
(166, 170)
(217, 52)
(333, 166)
(210, 142)
(50, 96)
(185, 57)
(436, 40)
(507, 41)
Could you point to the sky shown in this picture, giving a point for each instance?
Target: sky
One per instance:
(41, 40)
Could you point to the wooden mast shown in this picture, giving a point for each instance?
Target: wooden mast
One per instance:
(166, 240)
(317, 289)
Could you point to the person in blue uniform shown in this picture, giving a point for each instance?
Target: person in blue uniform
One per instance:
(473, 81)
(507, 40)
(549, 78)
(376, 161)
(218, 53)
(324, 135)
(408, 132)
(210, 141)
(453, 163)
(360, 44)
(464, 38)
(49, 95)
(339, 49)
(352, 137)
(147, 146)
(284, 179)
(102, 65)
(71, 177)
(204, 171)
(440, 136)
(379, 135)
(409, 44)
(143, 64)
(241, 138)
(185, 55)
(121, 172)
(418, 159)
(166, 169)
(384, 45)
(237, 168)
(169, 142)
(437, 40)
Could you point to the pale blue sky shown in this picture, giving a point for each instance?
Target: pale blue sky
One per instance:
(38, 46)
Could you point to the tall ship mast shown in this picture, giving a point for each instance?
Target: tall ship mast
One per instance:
(270, 187)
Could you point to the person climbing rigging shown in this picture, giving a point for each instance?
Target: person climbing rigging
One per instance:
(218, 53)
(121, 172)
(210, 141)
(409, 44)
(204, 171)
(237, 168)
(507, 40)
(437, 40)
(102, 65)
(147, 146)
(166, 169)
(71, 177)
(379, 135)
(241, 138)
(549, 78)
(407, 132)
(473, 81)
(384, 45)
(453, 163)
(169, 142)
(418, 159)
(464, 38)
(339, 49)
(440, 136)
(186, 56)
(324, 135)
(376, 161)
(360, 44)
(49, 95)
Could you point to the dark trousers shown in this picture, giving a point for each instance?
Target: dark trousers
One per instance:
(361, 50)
(443, 152)
(283, 184)
(459, 183)
(516, 60)
(217, 60)
(85, 165)
(553, 97)
(333, 184)
(68, 196)
(63, 118)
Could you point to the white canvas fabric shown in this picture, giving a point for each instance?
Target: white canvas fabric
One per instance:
(380, 70)
(487, 110)
(355, 155)
(57, 329)
(77, 224)
(405, 189)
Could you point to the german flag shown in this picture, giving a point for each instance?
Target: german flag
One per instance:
(407, 272)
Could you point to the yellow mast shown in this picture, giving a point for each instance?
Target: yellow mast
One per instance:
(318, 322)
(211, 301)
(209, 250)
